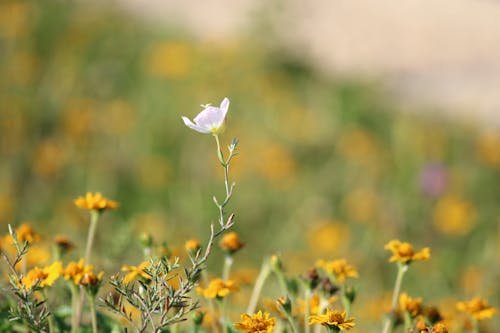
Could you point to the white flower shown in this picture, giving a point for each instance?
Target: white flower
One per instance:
(210, 120)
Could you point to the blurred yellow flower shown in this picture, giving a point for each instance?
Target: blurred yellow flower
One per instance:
(49, 158)
(64, 243)
(95, 202)
(340, 269)
(45, 276)
(14, 19)
(358, 145)
(192, 245)
(80, 273)
(90, 278)
(361, 205)
(135, 271)
(454, 216)
(25, 233)
(488, 147)
(439, 328)
(171, 60)
(231, 242)
(277, 165)
(256, 323)
(478, 308)
(217, 288)
(404, 253)
(328, 237)
(411, 305)
(314, 304)
(333, 319)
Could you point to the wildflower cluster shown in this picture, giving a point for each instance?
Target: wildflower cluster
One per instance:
(162, 291)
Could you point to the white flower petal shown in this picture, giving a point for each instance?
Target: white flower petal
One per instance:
(197, 128)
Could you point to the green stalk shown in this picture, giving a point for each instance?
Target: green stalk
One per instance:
(94, 218)
(228, 262)
(402, 268)
(74, 296)
(307, 296)
(93, 313)
(259, 283)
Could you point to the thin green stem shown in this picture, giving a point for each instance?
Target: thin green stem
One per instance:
(402, 268)
(346, 302)
(94, 218)
(259, 284)
(211, 306)
(74, 297)
(223, 319)
(50, 319)
(307, 311)
(291, 322)
(228, 262)
(93, 313)
(475, 325)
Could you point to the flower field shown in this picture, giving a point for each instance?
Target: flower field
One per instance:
(294, 202)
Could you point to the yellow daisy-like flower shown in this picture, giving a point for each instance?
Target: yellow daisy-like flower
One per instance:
(192, 245)
(333, 319)
(256, 323)
(439, 328)
(135, 271)
(45, 276)
(95, 202)
(217, 288)
(25, 233)
(80, 273)
(404, 252)
(231, 242)
(411, 305)
(90, 278)
(477, 307)
(338, 268)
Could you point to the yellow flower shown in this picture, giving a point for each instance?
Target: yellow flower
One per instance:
(63, 242)
(95, 202)
(80, 273)
(256, 323)
(329, 237)
(314, 303)
(477, 307)
(338, 268)
(231, 242)
(89, 278)
(488, 147)
(439, 328)
(25, 233)
(333, 319)
(404, 253)
(135, 271)
(217, 288)
(45, 276)
(454, 216)
(411, 305)
(192, 245)
(170, 59)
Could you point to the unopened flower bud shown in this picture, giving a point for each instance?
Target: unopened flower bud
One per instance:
(284, 304)
(146, 239)
(197, 317)
(231, 243)
(350, 294)
(311, 278)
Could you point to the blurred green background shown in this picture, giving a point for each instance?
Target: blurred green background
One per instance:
(91, 100)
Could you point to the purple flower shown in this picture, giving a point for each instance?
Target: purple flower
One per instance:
(211, 119)
(433, 179)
